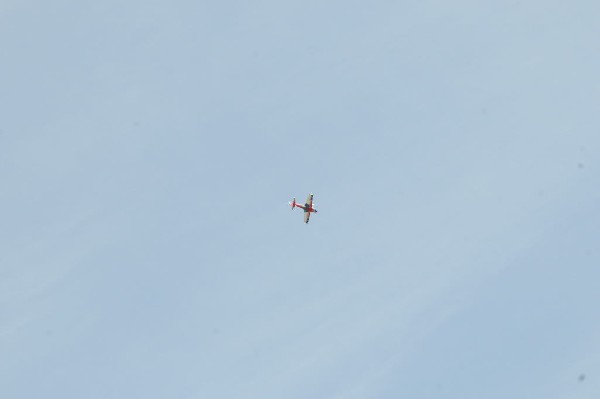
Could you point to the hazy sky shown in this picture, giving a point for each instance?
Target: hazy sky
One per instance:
(148, 150)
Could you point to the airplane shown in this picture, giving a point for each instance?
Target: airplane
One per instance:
(308, 207)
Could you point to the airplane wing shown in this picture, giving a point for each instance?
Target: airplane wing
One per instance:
(306, 216)
(309, 200)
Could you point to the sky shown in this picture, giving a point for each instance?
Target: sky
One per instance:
(148, 150)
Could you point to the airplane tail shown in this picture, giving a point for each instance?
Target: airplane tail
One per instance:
(293, 204)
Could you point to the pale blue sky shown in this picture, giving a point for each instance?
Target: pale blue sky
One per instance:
(148, 150)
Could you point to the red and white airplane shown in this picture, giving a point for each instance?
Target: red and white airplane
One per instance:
(308, 207)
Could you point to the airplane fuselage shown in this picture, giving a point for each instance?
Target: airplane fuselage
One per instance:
(307, 208)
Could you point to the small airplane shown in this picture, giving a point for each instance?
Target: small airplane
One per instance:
(308, 207)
